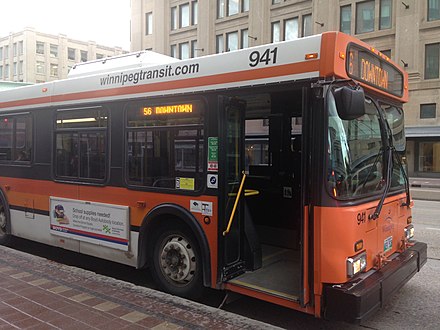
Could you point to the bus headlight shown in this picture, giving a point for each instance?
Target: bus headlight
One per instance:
(356, 264)
(409, 232)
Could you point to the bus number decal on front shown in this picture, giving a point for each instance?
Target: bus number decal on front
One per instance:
(361, 217)
(267, 57)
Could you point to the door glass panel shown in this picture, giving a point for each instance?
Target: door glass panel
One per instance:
(234, 166)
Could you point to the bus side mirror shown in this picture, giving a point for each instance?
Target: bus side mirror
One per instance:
(349, 102)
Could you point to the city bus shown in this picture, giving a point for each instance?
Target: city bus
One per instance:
(276, 172)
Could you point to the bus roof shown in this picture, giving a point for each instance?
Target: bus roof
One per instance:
(4, 85)
(325, 55)
(124, 62)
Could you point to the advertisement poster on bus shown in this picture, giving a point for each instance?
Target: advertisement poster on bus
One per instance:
(96, 223)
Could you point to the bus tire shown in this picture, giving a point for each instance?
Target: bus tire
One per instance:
(5, 236)
(177, 263)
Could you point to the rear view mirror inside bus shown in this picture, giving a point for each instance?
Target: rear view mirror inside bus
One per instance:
(350, 102)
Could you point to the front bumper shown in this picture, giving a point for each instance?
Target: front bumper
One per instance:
(357, 300)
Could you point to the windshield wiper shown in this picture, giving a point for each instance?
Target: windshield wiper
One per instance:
(389, 168)
(405, 178)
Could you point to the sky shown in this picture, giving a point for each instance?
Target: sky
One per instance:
(107, 22)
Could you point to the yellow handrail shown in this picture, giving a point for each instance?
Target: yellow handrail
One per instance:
(235, 205)
(247, 192)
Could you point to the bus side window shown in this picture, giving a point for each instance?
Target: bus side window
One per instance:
(81, 144)
(165, 145)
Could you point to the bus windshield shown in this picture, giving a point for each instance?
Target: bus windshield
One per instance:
(356, 151)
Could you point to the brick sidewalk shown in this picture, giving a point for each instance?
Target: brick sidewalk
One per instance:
(36, 293)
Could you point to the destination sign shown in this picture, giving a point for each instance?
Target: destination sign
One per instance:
(168, 109)
(374, 70)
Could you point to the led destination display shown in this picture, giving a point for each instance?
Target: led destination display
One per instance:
(374, 70)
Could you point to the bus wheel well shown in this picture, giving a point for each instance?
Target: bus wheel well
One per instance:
(159, 223)
(174, 218)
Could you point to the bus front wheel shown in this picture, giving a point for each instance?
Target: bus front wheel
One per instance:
(177, 265)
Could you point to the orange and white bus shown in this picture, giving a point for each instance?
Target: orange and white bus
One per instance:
(274, 172)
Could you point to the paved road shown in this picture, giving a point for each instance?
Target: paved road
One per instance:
(426, 215)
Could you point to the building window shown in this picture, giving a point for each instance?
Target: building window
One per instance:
(432, 58)
(184, 15)
(433, 10)
(164, 151)
(6, 52)
(276, 32)
(174, 18)
(40, 47)
(53, 50)
(14, 49)
(232, 7)
(54, 70)
(81, 144)
(307, 25)
(1, 53)
(184, 50)
(427, 111)
(194, 48)
(345, 19)
(244, 38)
(274, 2)
(385, 14)
(291, 29)
(84, 55)
(194, 12)
(148, 23)
(429, 156)
(244, 5)
(6, 71)
(71, 54)
(365, 17)
(1, 72)
(173, 51)
(16, 141)
(221, 8)
(20, 67)
(40, 67)
(231, 41)
(20, 48)
(386, 52)
(15, 69)
(219, 44)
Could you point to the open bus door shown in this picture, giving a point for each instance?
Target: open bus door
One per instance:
(241, 248)
(261, 232)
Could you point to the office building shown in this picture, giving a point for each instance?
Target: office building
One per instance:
(35, 57)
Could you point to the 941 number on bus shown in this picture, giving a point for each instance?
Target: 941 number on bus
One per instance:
(269, 56)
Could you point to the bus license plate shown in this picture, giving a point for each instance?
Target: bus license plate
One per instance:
(388, 243)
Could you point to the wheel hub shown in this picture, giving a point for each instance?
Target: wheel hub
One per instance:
(177, 260)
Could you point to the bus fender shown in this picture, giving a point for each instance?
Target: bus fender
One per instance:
(155, 218)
